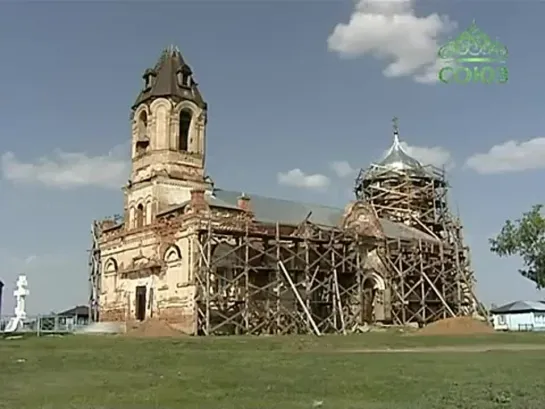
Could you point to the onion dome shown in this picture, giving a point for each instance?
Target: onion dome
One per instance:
(397, 158)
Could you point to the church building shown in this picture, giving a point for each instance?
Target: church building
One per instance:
(209, 261)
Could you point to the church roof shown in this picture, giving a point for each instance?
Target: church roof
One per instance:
(272, 210)
(165, 80)
(289, 212)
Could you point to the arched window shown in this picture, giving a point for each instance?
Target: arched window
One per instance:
(110, 266)
(142, 123)
(149, 77)
(173, 253)
(142, 141)
(139, 215)
(184, 76)
(185, 125)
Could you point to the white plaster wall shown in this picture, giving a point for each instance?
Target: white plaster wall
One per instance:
(178, 262)
(126, 291)
(163, 126)
(164, 163)
(144, 195)
(124, 296)
(181, 297)
(149, 210)
(172, 194)
(161, 113)
(114, 289)
(173, 289)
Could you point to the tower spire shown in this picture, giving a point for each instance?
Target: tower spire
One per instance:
(170, 78)
(395, 124)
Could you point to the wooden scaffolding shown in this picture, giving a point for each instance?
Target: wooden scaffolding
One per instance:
(277, 280)
(94, 273)
(260, 278)
(430, 279)
(423, 281)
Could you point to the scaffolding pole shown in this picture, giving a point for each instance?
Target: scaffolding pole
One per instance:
(94, 274)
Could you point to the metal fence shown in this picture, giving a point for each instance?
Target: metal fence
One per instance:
(44, 324)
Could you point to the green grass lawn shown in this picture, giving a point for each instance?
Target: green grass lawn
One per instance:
(84, 372)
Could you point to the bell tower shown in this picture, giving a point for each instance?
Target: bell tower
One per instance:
(168, 140)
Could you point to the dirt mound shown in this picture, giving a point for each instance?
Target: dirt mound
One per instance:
(152, 328)
(457, 326)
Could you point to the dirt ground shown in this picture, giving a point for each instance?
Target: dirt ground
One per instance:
(450, 326)
(152, 329)
(457, 326)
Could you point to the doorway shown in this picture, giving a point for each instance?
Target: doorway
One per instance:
(140, 303)
(369, 294)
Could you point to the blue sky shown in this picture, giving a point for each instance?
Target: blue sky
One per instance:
(282, 95)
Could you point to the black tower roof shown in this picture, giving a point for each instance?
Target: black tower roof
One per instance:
(163, 80)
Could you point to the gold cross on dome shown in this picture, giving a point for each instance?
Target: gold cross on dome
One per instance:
(395, 122)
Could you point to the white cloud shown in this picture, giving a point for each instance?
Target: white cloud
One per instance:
(391, 31)
(511, 156)
(436, 155)
(298, 178)
(342, 168)
(68, 170)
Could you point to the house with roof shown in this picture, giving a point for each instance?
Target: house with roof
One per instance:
(78, 315)
(519, 316)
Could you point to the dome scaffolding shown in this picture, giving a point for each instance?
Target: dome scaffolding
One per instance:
(429, 280)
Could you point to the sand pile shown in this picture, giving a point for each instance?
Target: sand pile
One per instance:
(457, 326)
(152, 328)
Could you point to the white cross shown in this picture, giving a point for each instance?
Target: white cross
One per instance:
(20, 293)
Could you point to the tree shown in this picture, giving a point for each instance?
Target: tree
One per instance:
(525, 237)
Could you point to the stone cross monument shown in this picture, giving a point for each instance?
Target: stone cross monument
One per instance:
(20, 293)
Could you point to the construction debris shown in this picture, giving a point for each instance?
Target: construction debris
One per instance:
(457, 326)
(152, 328)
